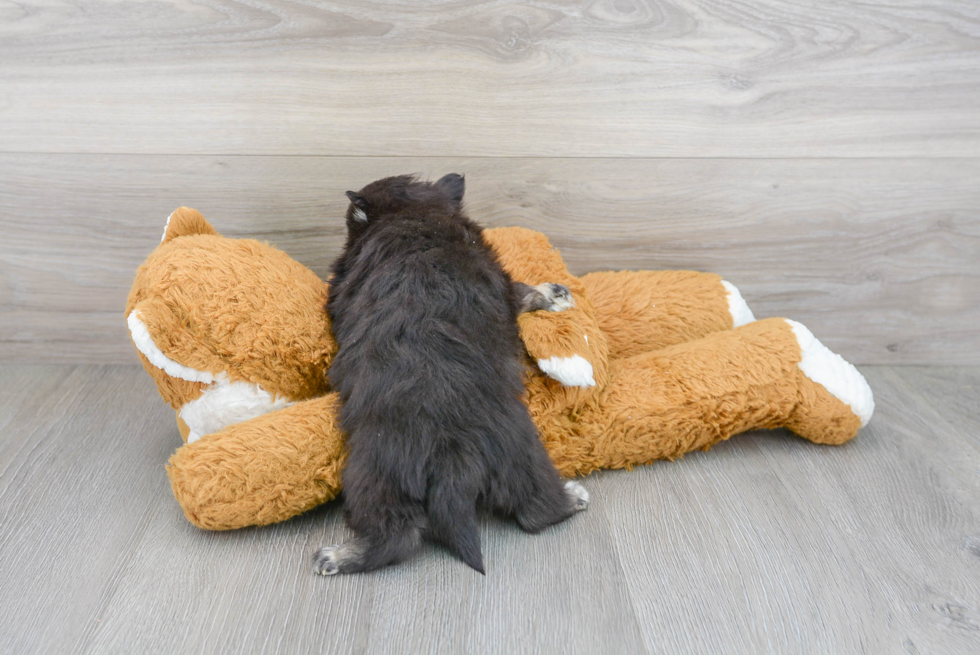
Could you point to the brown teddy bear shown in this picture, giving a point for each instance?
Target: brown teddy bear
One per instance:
(646, 365)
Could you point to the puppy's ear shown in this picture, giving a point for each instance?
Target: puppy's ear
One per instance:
(454, 185)
(357, 199)
(358, 212)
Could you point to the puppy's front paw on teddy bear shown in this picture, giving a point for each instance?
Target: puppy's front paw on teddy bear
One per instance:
(640, 366)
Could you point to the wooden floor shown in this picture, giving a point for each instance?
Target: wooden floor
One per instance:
(766, 544)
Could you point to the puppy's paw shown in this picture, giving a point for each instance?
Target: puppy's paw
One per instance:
(326, 561)
(578, 494)
(557, 296)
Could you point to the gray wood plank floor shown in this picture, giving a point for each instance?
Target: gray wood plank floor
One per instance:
(765, 544)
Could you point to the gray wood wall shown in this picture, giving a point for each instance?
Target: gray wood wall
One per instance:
(824, 157)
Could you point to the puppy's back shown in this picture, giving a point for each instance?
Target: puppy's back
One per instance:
(428, 370)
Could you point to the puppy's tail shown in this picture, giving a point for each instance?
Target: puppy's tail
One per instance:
(452, 522)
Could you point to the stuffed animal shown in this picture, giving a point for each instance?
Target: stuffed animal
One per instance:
(647, 365)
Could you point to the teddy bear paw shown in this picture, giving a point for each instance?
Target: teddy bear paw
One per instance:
(578, 494)
(834, 373)
(737, 307)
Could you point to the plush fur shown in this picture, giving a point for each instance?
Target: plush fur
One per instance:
(430, 379)
(671, 371)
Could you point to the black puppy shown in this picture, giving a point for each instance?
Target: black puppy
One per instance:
(429, 375)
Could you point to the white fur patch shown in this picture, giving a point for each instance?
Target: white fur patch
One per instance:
(327, 561)
(165, 227)
(834, 373)
(144, 342)
(574, 371)
(579, 494)
(225, 403)
(737, 307)
(359, 215)
(219, 405)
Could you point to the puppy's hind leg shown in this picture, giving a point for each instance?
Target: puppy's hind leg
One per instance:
(341, 558)
(551, 501)
(552, 297)
(533, 492)
(366, 553)
(388, 526)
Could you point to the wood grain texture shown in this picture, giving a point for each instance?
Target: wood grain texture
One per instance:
(80, 481)
(765, 544)
(878, 257)
(870, 547)
(583, 78)
(952, 389)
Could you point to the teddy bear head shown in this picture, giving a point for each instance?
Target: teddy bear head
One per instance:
(227, 328)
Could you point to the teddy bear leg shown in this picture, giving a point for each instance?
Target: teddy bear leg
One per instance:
(261, 471)
(640, 311)
(663, 404)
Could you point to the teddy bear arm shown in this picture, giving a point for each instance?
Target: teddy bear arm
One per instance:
(261, 471)
(641, 311)
(568, 346)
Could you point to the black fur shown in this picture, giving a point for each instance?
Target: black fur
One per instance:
(429, 374)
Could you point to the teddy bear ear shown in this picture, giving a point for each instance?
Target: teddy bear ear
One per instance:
(185, 222)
